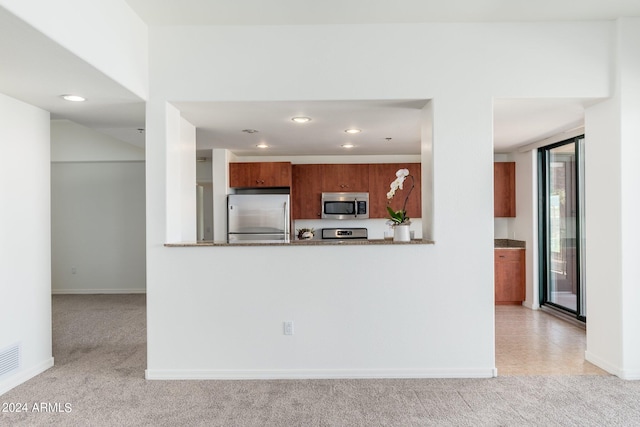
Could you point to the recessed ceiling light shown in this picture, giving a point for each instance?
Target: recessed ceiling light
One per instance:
(73, 98)
(301, 119)
(249, 131)
(353, 131)
(262, 145)
(348, 145)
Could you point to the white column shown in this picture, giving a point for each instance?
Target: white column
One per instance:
(629, 46)
(220, 173)
(426, 159)
(463, 207)
(612, 205)
(188, 182)
(180, 177)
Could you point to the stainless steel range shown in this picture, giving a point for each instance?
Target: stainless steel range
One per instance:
(344, 233)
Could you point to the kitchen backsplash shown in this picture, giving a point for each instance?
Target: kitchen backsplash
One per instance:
(376, 228)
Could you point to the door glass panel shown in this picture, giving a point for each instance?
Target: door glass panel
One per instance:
(563, 281)
(562, 226)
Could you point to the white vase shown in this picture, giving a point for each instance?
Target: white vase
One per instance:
(401, 233)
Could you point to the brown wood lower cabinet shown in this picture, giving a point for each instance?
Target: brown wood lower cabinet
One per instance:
(510, 270)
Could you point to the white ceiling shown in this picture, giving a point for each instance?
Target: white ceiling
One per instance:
(37, 70)
(220, 125)
(518, 122)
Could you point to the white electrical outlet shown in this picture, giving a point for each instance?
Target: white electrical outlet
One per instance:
(288, 327)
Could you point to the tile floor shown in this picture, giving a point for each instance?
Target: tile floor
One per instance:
(532, 342)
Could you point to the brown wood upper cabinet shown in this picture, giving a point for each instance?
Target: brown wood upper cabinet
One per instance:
(380, 177)
(504, 189)
(345, 178)
(306, 191)
(259, 174)
(510, 271)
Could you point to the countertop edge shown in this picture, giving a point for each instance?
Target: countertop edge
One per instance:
(509, 244)
(374, 242)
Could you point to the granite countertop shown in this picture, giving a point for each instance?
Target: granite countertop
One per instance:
(498, 243)
(314, 242)
(509, 244)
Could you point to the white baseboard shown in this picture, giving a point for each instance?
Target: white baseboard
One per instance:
(24, 375)
(96, 291)
(624, 374)
(601, 363)
(281, 374)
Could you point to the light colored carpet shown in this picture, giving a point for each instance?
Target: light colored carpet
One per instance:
(100, 355)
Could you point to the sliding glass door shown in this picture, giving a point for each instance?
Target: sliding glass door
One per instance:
(561, 226)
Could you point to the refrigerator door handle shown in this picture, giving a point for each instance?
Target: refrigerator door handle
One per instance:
(284, 215)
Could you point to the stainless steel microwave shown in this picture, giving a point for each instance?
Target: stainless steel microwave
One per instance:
(345, 205)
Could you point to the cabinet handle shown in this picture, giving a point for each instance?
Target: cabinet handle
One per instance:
(500, 256)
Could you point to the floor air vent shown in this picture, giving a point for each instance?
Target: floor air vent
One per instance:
(9, 359)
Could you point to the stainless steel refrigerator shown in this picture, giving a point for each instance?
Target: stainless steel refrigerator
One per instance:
(258, 218)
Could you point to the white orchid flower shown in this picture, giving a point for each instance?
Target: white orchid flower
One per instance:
(397, 184)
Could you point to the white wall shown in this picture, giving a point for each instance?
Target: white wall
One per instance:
(105, 33)
(525, 224)
(376, 228)
(25, 239)
(71, 142)
(97, 212)
(98, 227)
(387, 311)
